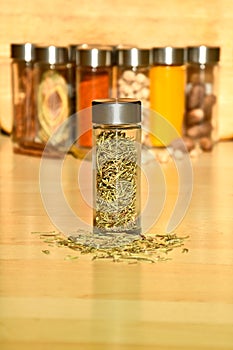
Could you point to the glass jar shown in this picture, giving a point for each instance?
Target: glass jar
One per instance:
(116, 165)
(72, 51)
(23, 56)
(6, 90)
(167, 94)
(116, 49)
(133, 76)
(72, 76)
(200, 122)
(94, 81)
(53, 99)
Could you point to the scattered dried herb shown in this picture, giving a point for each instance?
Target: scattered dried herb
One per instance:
(71, 257)
(46, 251)
(185, 250)
(145, 248)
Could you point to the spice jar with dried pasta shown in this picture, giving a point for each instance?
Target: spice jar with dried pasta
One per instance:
(23, 56)
(94, 81)
(116, 165)
(200, 122)
(167, 94)
(53, 98)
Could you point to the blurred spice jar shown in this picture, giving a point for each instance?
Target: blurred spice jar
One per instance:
(53, 99)
(133, 77)
(94, 67)
(72, 75)
(23, 56)
(167, 94)
(72, 51)
(200, 122)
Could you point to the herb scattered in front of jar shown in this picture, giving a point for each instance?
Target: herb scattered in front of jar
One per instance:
(150, 248)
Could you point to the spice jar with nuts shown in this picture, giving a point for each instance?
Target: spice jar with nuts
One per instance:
(23, 56)
(133, 77)
(116, 165)
(200, 122)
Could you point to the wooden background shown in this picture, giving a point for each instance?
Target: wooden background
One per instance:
(144, 23)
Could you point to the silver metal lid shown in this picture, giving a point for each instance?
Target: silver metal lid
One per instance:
(203, 54)
(72, 52)
(94, 56)
(52, 54)
(25, 52)
(133, 57)
(118, 47)
(116, 111)
(168, 55)
(72, 49)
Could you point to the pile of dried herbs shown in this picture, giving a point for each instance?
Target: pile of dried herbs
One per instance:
(148, 248)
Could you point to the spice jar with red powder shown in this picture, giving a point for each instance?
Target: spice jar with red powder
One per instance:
(94, 66)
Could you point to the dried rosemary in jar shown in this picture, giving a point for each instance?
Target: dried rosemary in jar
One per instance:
(116, 165)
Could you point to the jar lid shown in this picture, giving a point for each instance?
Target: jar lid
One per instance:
(25, 52)
(94, 56)
(118, 47)
(72, 52)
(133, 57)
(116, 111)
(72, 48)
(168, 55)
(203, 54)
(52, 54)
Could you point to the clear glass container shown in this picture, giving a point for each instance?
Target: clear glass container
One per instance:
(167, 93)
(72, 76)
(94, 67)
(6, 90)
(133, 66)
(201, 122)
(116, 49)
(23, 56)
(53, 95)
(116, 165)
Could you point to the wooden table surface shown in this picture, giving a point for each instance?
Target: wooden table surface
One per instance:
(48, 302)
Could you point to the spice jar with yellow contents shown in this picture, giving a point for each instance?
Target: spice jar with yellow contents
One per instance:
(116, 165)
(23, 56)
(167, 94)
(94, 81)
(200, 123)
(52, 93)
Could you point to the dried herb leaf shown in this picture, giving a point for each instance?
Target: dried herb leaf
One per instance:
(46, 251)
